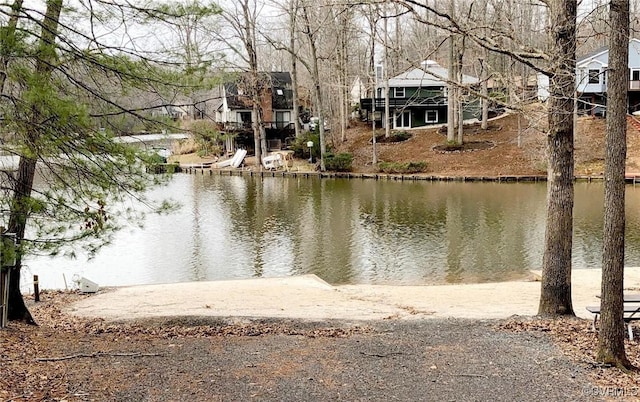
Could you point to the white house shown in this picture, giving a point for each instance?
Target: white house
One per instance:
(591, 80)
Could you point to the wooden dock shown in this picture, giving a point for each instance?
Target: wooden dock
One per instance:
(202, 170)
(362, 176)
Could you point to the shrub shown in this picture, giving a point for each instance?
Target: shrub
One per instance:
(300, 149)
(399, 136)
(402, 168)
(207, 138)
(338, 163)
(450, 146)
(395, 136)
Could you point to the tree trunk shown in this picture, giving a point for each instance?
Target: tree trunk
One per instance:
(7, 41)
(611, 336)
(485, 92)
(484, 75)
(555, 297)
(250, 44)
(459, 92)
(17, 310)
(315, 76)
(21, 205)
(451, 98)
(373, 83)
(294, 66)
(388, 121)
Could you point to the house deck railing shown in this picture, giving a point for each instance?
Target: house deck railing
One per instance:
(402, 103)
(244, 126)
(602, 88)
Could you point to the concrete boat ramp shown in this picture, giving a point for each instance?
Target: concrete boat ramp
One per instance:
(308, 297)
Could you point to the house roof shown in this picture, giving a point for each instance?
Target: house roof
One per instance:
(280, 78)
(277, 83)
(591, 56)
(430, 74)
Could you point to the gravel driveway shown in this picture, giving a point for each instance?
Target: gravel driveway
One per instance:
(417, 360)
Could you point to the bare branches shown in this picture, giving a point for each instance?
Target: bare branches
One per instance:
(95, 355)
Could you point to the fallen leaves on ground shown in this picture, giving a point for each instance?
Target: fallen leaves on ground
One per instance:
(61, 337)
(578, 340)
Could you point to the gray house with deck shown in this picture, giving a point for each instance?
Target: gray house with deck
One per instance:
(417, 97)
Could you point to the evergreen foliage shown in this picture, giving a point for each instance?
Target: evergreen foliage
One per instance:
(403, 168)
(67, 94)
(338, 163)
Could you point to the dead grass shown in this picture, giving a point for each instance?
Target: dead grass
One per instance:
(520, 148)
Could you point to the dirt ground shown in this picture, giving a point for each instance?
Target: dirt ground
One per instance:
(68, 358)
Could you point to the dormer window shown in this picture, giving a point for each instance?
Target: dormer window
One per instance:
(594, 76)
(398, 92)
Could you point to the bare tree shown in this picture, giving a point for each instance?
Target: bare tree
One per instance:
(310, 31)
(451, 91)
(243, 20)
(611, 336)
(385, 71)
(193, 49)
(293, 41)
(555, 298)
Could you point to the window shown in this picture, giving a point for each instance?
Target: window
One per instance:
(635, 75)
(398, 92)
(283, 119)
(244, 119)
(379, 72)
(594, 76)
(403, 120)
(431, 116)
(582, 75)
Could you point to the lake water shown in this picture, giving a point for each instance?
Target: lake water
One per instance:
(344, 231)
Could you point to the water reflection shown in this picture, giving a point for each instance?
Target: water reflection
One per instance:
(345, 231)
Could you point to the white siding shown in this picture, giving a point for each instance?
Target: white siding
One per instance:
(600, 62)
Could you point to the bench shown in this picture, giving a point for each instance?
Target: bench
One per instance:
(631, 312)
(272, 161)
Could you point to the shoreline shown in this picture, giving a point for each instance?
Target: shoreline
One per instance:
(630, 178)
(309, 298)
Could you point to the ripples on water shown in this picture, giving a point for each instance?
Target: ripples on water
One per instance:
(344, 231)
